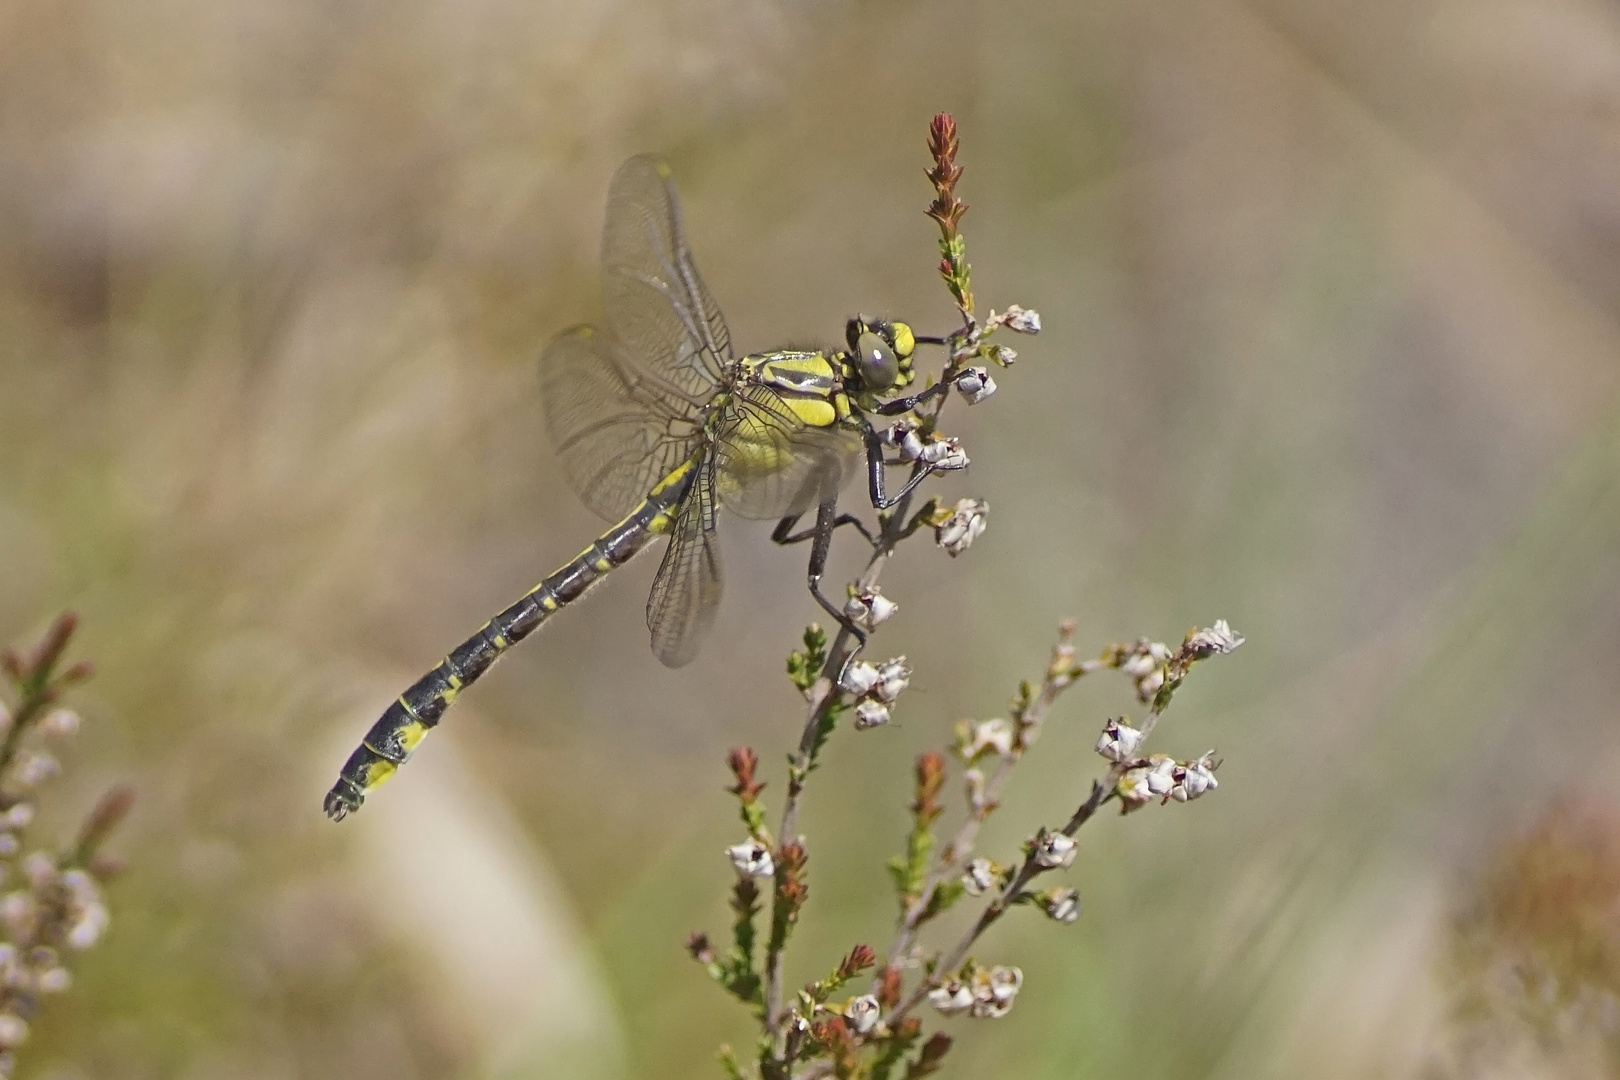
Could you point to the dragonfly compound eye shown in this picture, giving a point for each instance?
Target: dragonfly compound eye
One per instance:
(879, 366)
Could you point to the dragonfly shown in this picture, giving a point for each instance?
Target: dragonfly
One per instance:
(657, 426)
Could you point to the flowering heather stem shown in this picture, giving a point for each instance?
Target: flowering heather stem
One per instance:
(60, 906)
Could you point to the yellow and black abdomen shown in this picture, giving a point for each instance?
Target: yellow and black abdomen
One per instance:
(389, 743)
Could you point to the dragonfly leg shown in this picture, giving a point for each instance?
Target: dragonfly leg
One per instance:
(820, 536)
(784, 534)
(876, 482)
(906, 404)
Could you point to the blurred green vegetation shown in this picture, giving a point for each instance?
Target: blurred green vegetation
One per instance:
(1330, 295)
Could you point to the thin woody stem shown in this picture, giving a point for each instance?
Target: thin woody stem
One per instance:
(1061, 673)
(1101, 791)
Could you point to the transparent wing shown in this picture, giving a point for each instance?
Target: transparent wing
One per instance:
(772, 465)
(656, 302)
(617, 428)
(686, 592)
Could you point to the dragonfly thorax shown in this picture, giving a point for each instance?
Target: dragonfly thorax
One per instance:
(808, 384)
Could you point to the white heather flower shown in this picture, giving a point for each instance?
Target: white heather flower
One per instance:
(1194, 778)
(994, 990)
(89, 927)
(1219, 638)
(858, 678)
(965, 525)
(863, 1013)
(60, 722)
(1062, 905)
(1054, 851)
(951, 997)
(1132, 789)
(55, 980)
(996, 734)
(1119, 741)
(13, 1030)
(19, 911)
(751, 859)
(975, 384)
(902, 435)
(34, 768)
(980, 877)
(1003, 354)
(1160, 776)
(1022, 320)
(18, 817)
(1144, 665)
(40, 870)
(1148, 685)
(81, 886)
(867, 608)
(870, 714)
(944, 454)
(892, 679)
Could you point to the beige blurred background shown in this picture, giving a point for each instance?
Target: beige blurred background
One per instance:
(1331, 295)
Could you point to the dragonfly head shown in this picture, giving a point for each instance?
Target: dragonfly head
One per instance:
(880, 353)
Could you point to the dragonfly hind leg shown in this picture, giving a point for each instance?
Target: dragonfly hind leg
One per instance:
(820, 536)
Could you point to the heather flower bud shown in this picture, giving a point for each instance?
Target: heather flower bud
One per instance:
(951, 997)
(870, 714)
(18, 817)
(751, 859)
(1054, 850)
(40, 869)
(1119, 741)
(956, 533)
(1062, 905)
(902, 435)
(862, 1013)
(34, 768)
(994, 990)
(944, 454)
(990, 735)
(859, 678)
(974, 384)
(1022, 320)
(60, 723)
(979, 877)
(1219, 638)
(892, 679)
(54, 981)
(1194, 778)
(87, 930)
(867, 608)
(1160, 776)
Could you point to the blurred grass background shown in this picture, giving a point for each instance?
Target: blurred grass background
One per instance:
(1330, 292)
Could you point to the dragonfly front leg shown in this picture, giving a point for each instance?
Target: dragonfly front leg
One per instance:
(906, 404)
(876, 482)
(820, 536)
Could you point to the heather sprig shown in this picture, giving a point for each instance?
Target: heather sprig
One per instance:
(879, 1034)
(58, 905)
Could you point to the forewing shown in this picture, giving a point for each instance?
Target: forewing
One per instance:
(656, 302)
(617, 428)
(772, 465)
(686, 592)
